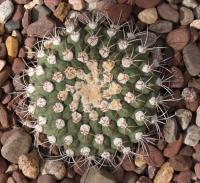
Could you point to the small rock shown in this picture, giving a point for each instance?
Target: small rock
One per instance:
(3, 165)
(4, 120)
(194, 83)
(197, 12)
(148, 16)
(12, 45)
(191, 98)
(165, 174)
(3, 51)
(18, 14)
(17, 144)
(178, 38)
(55, 168)
(144, 179)
(4, 75)
(118, 174)
(10, 180)
(193, 135)
(130, 177)
(196, 155)
(18, 66)
(12, 168)
(46, 179)
(22, 1)
(39, 29)
(152, 170)
(19, 177)
(29, 164)
(2, 64)
(186, 16)
(183, 177)
(186, 151)
(173, 148)
(51, 4)
(180, 163)
(67, 180)
(170, 130)
(167, 12)
(3, 178)
(62, 11)
(184, 117)
(113, 12)
(2, 28)
(6, 10)
(77, 5)
(146, 4)
(128, 164)
(177, 80)
(30, 41)
(12, 25)
(26, 20)
(198, 117)
(161, 26)
(39, 11)
(140, 160)
(195, 24)
(197, 170)
(97, 176)
(190, 3)
(191, 55)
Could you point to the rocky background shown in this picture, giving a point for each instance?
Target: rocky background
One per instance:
(176, 156)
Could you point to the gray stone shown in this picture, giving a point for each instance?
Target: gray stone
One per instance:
(186, 16)
(97, 176)
(6, 10)
(17, 144)
(191, 55)
(12, 25)
(198, 117)
(46, 179)
(170, 130)
(193, 136)
(184, 117)
(39, 11)
(55, 168)
(161, 26)
(190, 3)
(130, 177)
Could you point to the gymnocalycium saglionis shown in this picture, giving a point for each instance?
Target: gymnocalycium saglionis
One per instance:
(94, 90)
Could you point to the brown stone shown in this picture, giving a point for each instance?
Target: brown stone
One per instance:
(18, 66)
(3, 178)
(177, 80)
(4, 74)
(19, 12)
(3, 51)
(19, 177)
(51, 4)
(178, 38)
(183, 177)
(2, 28)
(197, 170)
(146, 4)
(26, 20)
(128, 164)
(12, 46)
(62, 11)
(4, 120)
(3, 165)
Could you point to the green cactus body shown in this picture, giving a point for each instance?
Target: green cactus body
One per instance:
(93, 90)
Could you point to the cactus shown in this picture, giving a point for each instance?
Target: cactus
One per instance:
(95, 90)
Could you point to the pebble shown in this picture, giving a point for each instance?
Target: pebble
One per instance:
(144, 179)
(3, 165)
(173, 148)
(62, 11)
(170, 130)
(184, 117)
(113, 12)
(29, 164)
(26, 20)
(196, 154)
(128, 164)
(197, 12)
(39, 29)
(6, 10)
(19, 177)
(39, 11)
(148, 16)
(194, 83)
(118, 174)
(152, 170)
(10, 180)
(195, 24)
(12, 46)
(198, 117)
(2, 28)
(22, 1)
(97, 176)
(19, 12)
(2, 64)
(3, 178)
(186, 16)
(192, 136)
(161, 26)
(46, 179)
(12, 25)
(190, 3)
(4, 75)
(191, 98)
(51, 4)
(177, 81)
(197, 170)
(178, 38)
(183, 177)
(3, 51)
(167, 12)
(146, 4)
(18, 66)
(4, 120)
(55, 168)
(77, 5)
(67, 180)
(187, 151)
(164, 174)
(180, 163)
(130, 177)
(17, 143)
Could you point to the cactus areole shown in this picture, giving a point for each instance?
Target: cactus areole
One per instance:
(94, 90)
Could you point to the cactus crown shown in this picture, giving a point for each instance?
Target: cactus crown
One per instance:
(94, 90)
